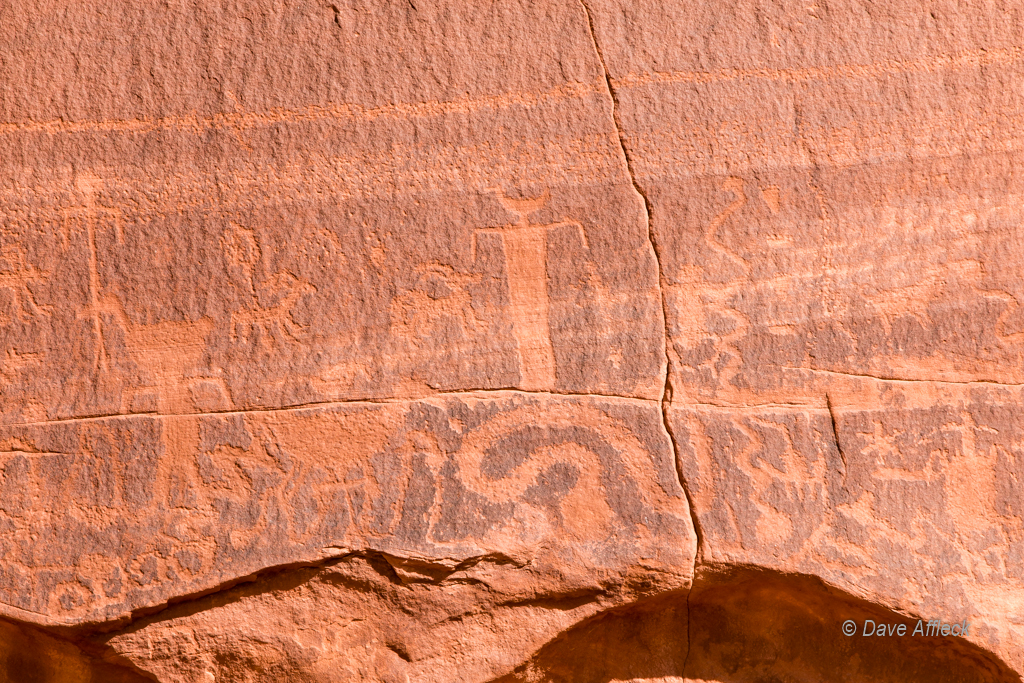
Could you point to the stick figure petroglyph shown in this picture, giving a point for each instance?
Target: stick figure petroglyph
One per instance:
(735, 186)
(91, 216)
(525, 248)
(168, 352)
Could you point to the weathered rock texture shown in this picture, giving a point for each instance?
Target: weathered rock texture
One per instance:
(417, 340)
(110, 516)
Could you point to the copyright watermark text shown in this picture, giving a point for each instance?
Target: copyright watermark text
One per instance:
(933, 627)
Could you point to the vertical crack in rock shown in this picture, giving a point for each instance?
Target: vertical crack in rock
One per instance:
(835, 434)
(666, 393)
(689, 624)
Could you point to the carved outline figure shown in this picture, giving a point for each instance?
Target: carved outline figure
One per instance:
(524, 245)
(274, 295)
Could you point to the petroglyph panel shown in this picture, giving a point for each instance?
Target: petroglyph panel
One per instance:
(230, 248)
(371, 320)
(913, 277)
(108, 515)
(912, 501)
(835, 196)
(845, 213)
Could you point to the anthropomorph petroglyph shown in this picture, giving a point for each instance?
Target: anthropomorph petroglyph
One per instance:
(167, 353)
(525, 248)
(90, 216)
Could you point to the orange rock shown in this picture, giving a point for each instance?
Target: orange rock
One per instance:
(114, 515)
(418, 340)
(836, 218)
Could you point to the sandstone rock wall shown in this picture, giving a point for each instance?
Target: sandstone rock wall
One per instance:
(412, 340)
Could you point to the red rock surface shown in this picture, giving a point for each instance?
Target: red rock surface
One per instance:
(414, 340)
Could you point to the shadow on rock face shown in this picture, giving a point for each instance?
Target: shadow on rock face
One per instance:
(30, 655)
(749, 625)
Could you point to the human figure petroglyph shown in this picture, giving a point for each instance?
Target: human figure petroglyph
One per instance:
(91, 216)
(243, 253)
(524, 245)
